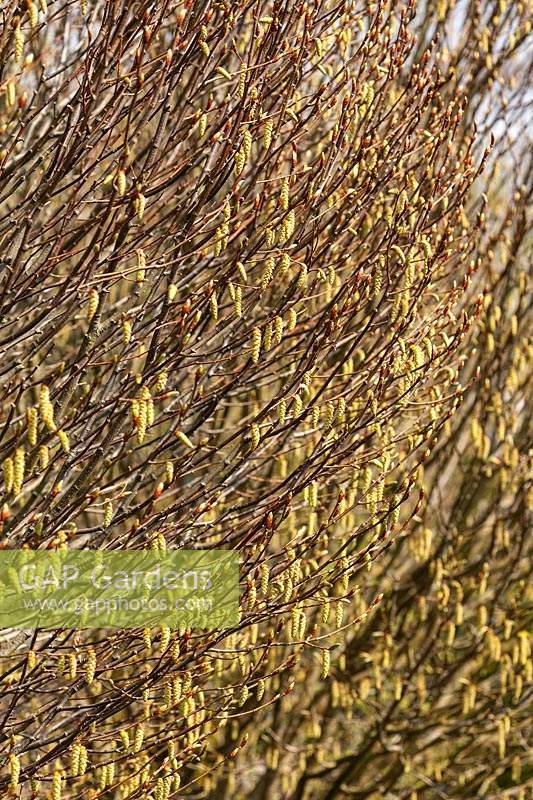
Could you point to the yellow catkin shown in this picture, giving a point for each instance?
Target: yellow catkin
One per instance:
(57, 781)
(75, 759)
(399, 252)
(161, 381)
(202, 123)
(142, 420)
(44, 456)
(246, 142)
(284, 264)
(108, 513)
(302, 278)
(256, 344)
(177, 689)
(184, 439)
(268, 272)
(82, 768)
(103, 778)
(32, 416)
(171, 292)
(9, 475)
(165, 637)
(33, 14)
(72, 666)
(110, 773)
(501, 738)
(242, 83)
(138, 739)
(63, 438)
(14, 770)
(126, 331)
(288, 226)
(524, 647)
(264, 578)
(295, 623)
(141, 266)
(239, 161)
(237, 301)
(92, 304)
(44, 401)
(326, 657)
(146, 398)
(255, 435)
(19, 463)
(450, 633)
(284, 194)
(90, 666)
(120, 182)
(267, 134)
(19, 44)
(291, 319)
(11, 94)
(46, 408)
(139, 206)
(169, 472)
(402, 202)
(398, 688)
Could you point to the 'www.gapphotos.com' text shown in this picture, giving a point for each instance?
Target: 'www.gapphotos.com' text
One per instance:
(111, 605)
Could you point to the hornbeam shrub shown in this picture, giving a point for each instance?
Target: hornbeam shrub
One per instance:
(264, 285)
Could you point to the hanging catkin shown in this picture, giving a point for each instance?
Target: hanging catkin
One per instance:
(256, 344)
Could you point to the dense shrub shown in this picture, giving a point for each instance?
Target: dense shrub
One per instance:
(264, 285)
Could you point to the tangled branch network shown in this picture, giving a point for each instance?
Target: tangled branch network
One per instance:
(265, 286)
